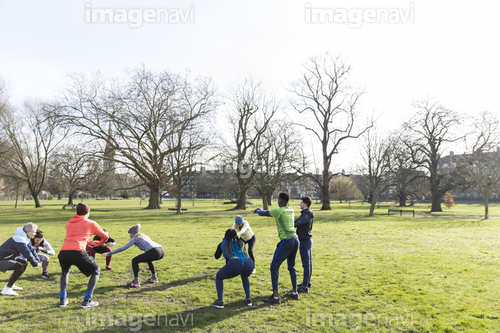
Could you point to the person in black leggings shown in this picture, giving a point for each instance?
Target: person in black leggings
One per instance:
(152, 252)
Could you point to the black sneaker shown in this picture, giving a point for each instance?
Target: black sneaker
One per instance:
(63, 301)
(302, 289)
(294, 296)
(218, 304)
(308, 285)
(89, 304)
(248, 302)
(272, 299)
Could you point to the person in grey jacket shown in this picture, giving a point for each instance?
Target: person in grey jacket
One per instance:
(19, 244)
(152, 252)
(304, 226)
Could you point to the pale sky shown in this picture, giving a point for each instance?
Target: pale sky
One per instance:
(445, 49)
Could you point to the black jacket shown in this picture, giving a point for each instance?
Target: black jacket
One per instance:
(304, 224)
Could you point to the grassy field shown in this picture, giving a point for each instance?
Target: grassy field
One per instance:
(384, 274)
(210, 205)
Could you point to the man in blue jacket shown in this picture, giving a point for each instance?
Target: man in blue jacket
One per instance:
(304, 226)
(13, 247)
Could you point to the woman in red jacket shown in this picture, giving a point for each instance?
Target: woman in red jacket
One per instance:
(73, 252)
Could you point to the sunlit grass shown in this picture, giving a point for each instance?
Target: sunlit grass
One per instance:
(384, 274)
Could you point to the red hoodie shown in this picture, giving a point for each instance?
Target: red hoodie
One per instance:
(78, 231)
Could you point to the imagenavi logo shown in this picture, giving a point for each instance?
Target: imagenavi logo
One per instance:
(356, 17)
(136, 17)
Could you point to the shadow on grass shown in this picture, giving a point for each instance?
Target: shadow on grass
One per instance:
(152, 286)
(198, 318)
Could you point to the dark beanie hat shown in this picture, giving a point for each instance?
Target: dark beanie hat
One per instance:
(135, 229)
(82, 209)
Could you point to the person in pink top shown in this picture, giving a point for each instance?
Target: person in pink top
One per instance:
(73, 252)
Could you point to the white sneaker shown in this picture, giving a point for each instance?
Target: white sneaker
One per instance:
(14, 287)
(8, 291)
(254, 271)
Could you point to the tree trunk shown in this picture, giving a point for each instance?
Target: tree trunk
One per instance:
(325, 197)
(179, 201)
(154, 197)
(269, 198)
(486, 214)
(402, 200)
(242, 199)
(372, 206)
(436, 203)
(70, 199)
(17, 195)
(373, 203)
(265, 205)
(37, 201)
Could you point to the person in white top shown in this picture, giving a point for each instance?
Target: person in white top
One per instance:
(246, 234)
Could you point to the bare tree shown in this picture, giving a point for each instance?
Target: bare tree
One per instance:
(375, 168)
(406, 178)
(32, 132)
(250, 119)
(69, 170)
(275, 153)
(136, 118)
(192, 142)
(428, 132)
(482, 165)
(4, 142)
(325, 93)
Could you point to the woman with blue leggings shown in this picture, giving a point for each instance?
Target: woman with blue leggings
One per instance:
(237, 263)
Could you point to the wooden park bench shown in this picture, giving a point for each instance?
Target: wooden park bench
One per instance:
(73, 207)
(176, 209)
(401, 211)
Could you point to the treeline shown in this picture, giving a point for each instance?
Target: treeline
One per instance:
(150, 132)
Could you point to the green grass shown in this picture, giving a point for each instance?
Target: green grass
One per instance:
(384, 274)
(211, 205)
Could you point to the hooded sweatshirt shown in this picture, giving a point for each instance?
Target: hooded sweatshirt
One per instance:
(78, 231)
(19, 244)
(304, 224)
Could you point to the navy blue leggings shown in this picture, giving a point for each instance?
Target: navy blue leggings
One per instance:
(285, 250)
(232, 269)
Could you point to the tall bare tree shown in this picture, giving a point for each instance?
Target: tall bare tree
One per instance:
(33, 134)
(325, 94)
(428, 132)
(251, 113)
(4, 142)
(192, 143)
(276, 155)
(136, 118)
(69, 170)
(406, 178)
(375, 168)
(482, 165)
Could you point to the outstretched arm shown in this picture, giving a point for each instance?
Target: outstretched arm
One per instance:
(261, 212)
(123, 248)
